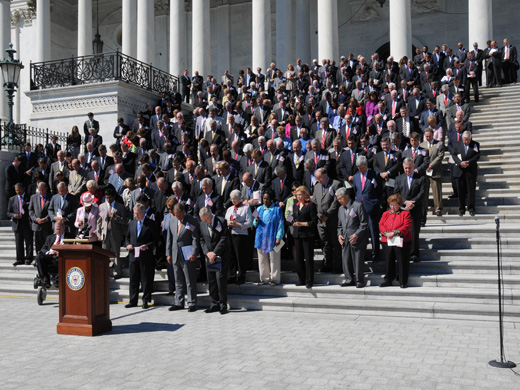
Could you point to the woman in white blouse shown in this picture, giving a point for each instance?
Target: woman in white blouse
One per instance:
(239, 220)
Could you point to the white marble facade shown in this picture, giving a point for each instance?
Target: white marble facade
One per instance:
(229, 43)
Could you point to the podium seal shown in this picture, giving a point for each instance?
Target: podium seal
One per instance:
(75, 279)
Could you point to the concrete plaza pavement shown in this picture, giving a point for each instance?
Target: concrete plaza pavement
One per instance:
(158, 349)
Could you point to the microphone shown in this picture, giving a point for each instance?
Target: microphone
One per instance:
(497, 220)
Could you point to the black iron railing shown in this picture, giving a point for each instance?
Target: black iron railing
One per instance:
(15, 136)
(100, 68)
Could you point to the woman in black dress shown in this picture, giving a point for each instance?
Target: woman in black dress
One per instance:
(305, 220)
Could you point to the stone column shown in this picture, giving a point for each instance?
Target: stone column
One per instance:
(400, 29)
(303, 31)
(43, 30)
(145, 31)
(480, 22)
(327, 23)
(284, 34)
(177, 37)
(84, 27)
(223, 38)
(161, 35)
(261, 34)
(17, 21)
(201, 52)
(5, 39)
(129, 27)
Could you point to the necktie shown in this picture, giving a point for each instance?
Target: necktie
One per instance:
(59, 240)
(386, 159)
(256, 169)
(179, 227)
(323, 139)
(393, 108)
(351, 157)
(445, 101)
(139, 226)
(363, 182)
(223, 186)
(95, 176)
(458, 137)
(20, 204)
(42, 201)
(413, 153)
(281, 185)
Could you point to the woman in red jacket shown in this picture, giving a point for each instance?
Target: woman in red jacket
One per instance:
(395, 227)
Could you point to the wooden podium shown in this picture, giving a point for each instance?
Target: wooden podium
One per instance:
(84, 293)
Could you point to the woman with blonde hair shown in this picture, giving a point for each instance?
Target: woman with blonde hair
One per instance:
(304, 221)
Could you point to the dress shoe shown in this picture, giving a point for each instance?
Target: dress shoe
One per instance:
(347, 284)
(232, 280)
(240, 281)
(360, 284)
(192, 309)
(453, 196)
(309, 286)
(170, 293)
(423, 224)
(300, 284)
(402, 285)
(18, 263)
(385, 284)
(461, 213)
(471, 212)
(145, 305)
(129, 305)
(117, 276)
(415, 259)
(28, 262)
(438, 213)
(375, 258)
(211, 309)
(224, 310)
(175, 308)
(261, 283)
(272, 283)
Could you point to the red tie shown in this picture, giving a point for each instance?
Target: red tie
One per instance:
(445, 101)
(413, 153)
(323, 140)
(458, 137)
(315, 159)
(362, 182)
(393, 108)
(281, 186)
(42, 201)
(96, 176)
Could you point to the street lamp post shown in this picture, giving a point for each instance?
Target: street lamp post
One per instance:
(11, 74)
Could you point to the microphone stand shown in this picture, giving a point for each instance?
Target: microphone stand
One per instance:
(503, 363)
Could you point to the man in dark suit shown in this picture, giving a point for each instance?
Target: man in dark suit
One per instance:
(466, 155)
(52, 148)
(478, 57)
(406, 124)
(369, 188)
(416, 104)
(493, 56)
(18, 213)
(431, 110)
(141, 189)
(225, 183)
(63, 208)
(346, 164)
(183, 232)
(418, 154)
(410, 186)
(281, 185)
(13, 174)
(29, 160)
(214, 242)
(327, 210)
(39, 215)
(387, 164)
(352, 234)
(260, 169)
(46, 255)
(140, 243)
(509, 62)
(186, 86)
(208, 198)
(471, 77)
(90, 123)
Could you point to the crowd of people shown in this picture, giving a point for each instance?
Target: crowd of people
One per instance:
(334, 156)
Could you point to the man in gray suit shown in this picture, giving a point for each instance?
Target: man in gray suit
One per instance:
(39, 215)
(112, 226)
(353, 235)
(183, 232)
(77, 179)
(327, 209)
(434, 172)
